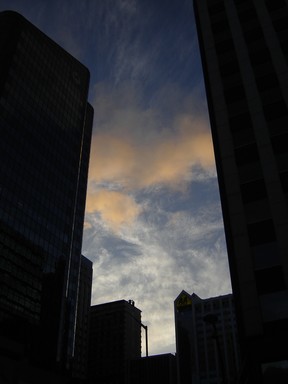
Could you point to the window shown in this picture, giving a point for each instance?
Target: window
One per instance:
(281, 24)
(268, 81)
(284, 181)
(253, 34)
(253, 191)
(240, 122)
(247, 154)
(266, 255)
(280, 143)
(234, 94)
(270, 280)
(260, 55)
(273, 5)
(247, 15)
(275, 110)
(261, 232)
(220, 27)
(224, 46)
(215, 8)
(229, 68)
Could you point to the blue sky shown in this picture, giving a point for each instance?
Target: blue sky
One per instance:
(153, 222)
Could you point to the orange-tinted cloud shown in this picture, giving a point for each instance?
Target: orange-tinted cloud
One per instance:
(115, 208)
(137, 148)
(167, 159)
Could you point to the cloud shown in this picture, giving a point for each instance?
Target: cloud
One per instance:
(151, 263)
(167, 159)
(115, 208)
(135, 147)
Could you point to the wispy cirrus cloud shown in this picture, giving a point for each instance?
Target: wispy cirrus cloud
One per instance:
(164, 251)
(153, 221)
(160, 160)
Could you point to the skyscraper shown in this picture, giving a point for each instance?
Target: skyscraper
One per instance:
(45, 128)
(244, 49)
(115, 340)
(207, 347)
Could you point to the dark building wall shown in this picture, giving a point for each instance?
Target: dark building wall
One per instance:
(244, 53)
(45, 128)
(156, 369)
(80, 360)
(115, 339)
(184, 344)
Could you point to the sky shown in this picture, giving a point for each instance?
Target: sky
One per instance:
(153, 223)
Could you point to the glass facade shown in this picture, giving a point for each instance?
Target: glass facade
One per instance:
(45, 128)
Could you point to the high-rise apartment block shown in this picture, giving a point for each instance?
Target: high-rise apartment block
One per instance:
(115, 340)
(45, 129)
(207, 347)
(244, 49)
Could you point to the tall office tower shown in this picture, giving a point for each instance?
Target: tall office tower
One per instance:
(207, 346)
(245, 56)
(45, 129)
(115, 340)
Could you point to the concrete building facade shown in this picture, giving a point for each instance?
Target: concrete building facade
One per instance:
(207, 346)
(244, 49)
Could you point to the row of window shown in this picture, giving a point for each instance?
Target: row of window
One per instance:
(39, 208)
(18, 302)
(40, 172)
(65, 145)
(62, 81)
(20, 261)
(65, 65)
(35, 230)
(37, 192)
(28, 102)
(51, 245)
(18, 282)
(269, 276)
(12, 241)
(49, 92)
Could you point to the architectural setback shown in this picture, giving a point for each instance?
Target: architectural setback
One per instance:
(244, 49)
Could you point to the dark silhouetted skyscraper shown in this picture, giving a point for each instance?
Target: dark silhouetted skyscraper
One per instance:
(115, 340)
(45, 130)
(155, 369)
(244, 48)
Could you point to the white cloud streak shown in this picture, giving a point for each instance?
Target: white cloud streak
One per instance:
(158, 262)
(136, 148)
(147, 243)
